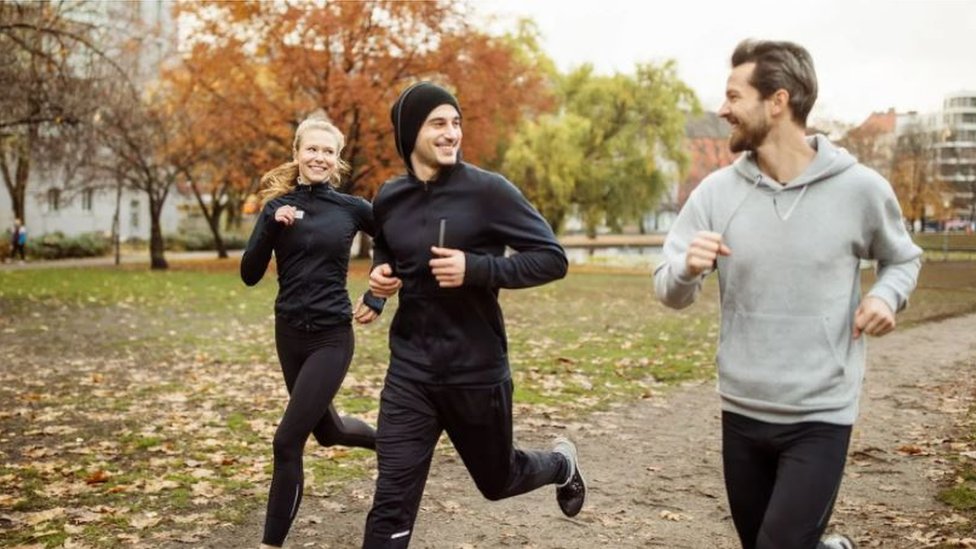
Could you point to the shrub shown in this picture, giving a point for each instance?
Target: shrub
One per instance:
(202, 241)
(58, 246)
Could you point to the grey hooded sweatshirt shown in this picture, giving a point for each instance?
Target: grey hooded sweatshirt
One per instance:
(790, 287)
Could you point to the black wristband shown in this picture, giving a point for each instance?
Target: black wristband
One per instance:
(373, 302)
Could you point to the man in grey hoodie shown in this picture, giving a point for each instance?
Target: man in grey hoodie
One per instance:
(786, 227)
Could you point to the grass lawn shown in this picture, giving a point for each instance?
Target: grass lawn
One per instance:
(141, 406)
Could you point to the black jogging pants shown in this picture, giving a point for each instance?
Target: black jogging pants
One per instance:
(478, 420)
(782, 479)
(314, 364)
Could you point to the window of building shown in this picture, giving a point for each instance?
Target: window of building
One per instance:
(962, 136)
(961, 102)
(53, 200)
(948, 171)
(87, 199)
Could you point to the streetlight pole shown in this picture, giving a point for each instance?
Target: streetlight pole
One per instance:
(945, 230)
(972, 196)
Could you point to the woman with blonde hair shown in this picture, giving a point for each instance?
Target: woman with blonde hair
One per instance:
(310, 227)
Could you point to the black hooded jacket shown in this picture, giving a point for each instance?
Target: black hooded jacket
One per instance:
(312, 255)
(457, 335)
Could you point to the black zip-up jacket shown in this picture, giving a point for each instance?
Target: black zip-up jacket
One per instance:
(312, 255)
(457, 335)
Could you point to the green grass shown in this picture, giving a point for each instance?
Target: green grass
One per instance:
(961, 497)
(52, 535)
(210, 291)
(954, 246)
(945, 289)
(158, 371)
(336, 468)
(936, 241)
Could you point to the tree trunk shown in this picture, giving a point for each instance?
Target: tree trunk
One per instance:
(19, 196)
(16, 182)
(157, 251)
(117, 223)
(212, 215)
(214, 222)
(233, 221)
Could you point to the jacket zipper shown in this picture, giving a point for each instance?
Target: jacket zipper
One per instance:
(440, 370)
(306, 236)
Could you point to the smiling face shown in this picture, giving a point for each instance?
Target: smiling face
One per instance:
(438, 142)
(317, 155)
(745, 110)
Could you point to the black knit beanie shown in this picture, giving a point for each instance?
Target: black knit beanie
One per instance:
(411, 110)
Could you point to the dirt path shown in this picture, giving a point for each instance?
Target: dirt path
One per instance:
(655, 476)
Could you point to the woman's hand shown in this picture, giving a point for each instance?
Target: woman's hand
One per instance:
(362, 313)
(286, 215)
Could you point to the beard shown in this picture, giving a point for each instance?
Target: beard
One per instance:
(748, 137)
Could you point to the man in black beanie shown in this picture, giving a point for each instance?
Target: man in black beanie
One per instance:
(442, 230)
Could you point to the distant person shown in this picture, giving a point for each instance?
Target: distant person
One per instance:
(442, 230)
(18, 241)
(310, 227)
(786, 228)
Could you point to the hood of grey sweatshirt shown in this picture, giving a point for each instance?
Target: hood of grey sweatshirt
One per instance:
(791, 285)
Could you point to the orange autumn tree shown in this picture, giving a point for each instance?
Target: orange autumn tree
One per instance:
(219, 112)
(253, 70)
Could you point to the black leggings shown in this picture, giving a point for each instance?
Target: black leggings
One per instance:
(782, 480)
(478, 419)
(314, 364)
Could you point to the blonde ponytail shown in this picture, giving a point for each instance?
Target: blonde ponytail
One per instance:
(278, 182)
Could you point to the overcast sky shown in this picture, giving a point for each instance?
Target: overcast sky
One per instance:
(870, 54)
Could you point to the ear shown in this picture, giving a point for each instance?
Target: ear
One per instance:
(780, 102)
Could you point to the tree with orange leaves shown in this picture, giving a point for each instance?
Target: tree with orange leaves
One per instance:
(923, 197)
(253, 70)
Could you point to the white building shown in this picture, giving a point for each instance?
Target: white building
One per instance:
(52, 204)
(955, 154)
(49, 207)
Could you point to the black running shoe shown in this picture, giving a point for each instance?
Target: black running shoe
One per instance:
(571, 493)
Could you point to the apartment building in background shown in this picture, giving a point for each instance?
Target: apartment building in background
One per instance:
(955, 152)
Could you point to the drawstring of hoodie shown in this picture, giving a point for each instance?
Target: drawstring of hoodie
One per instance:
(796, 202)
(755, 184)
(728, 221)
(742, 201)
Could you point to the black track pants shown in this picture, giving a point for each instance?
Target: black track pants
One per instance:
(478, 419)
(782, 480)
(314, 364)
